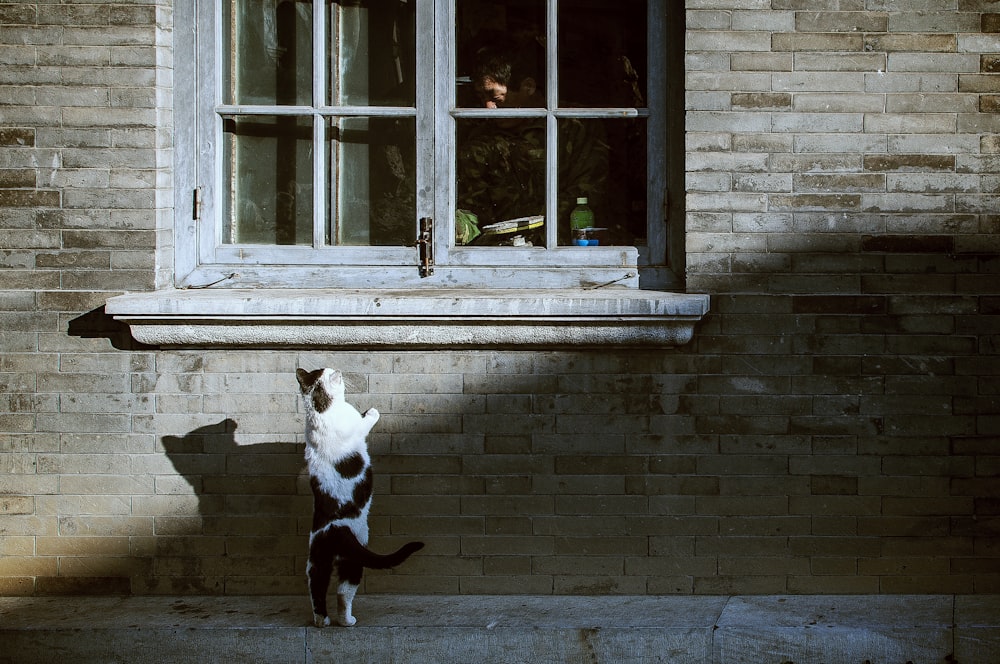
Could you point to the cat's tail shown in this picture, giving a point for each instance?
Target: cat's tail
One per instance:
(352, 548)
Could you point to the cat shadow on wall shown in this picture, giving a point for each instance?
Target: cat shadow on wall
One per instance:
(251, 527)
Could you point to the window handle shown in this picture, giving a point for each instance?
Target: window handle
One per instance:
(425, 247)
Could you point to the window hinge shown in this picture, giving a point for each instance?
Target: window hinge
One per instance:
(666, 205)
(425, 247)
(196, 204)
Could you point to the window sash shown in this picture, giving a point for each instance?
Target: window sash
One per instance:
(435, 116)
(655, 250)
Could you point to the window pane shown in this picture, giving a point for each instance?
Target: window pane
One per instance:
(373, 162)
(268, 44)
(602, 53)
(505, 43)
(373, 53)
(604, 161)
(268, 165)
(501, 172)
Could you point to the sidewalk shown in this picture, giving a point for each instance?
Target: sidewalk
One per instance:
(845, 629)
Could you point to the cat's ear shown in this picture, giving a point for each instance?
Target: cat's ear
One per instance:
(307, 378)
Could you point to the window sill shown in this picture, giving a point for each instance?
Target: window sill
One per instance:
(439, 318)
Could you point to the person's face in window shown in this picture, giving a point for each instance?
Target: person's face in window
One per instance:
(494, 94)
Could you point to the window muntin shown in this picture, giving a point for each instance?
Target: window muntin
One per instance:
(387, 149)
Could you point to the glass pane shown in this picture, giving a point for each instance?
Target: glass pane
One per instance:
(373, 54)
(268, 164)
(373, 162)
(602, 53)
(500, 53)
(603, 161)
(268, 44)
(500, 167)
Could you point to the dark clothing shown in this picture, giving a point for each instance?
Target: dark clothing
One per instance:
(501, 170)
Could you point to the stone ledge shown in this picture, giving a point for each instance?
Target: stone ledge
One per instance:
(438, 318)
(508, 629)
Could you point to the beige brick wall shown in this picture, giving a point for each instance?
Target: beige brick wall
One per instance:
(834, 427)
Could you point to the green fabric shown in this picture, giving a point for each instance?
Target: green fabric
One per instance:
(466, 227)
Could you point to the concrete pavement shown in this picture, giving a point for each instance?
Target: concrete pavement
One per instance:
(848, 629)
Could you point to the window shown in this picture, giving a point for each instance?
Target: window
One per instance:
(326, 131)
(360, 172)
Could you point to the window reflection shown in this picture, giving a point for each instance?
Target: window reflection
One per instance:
(501, 170)
(374, 169)
(514, 29)
(269, 47)
(602, 53)
(501, 162)
(373, 53)
(269, 167)
(604, 161)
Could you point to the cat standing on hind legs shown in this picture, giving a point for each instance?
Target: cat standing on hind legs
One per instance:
(340, 475)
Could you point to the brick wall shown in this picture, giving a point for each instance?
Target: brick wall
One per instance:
(833, 427)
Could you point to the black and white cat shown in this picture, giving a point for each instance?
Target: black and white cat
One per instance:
(341, 478)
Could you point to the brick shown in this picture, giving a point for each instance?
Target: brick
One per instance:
(729, 41)
(933, 62)
(29, 198)
(772, 101)
(761, 62)
(989, 83)
(17, 505)
(935, 21)
(914, 163)
(922, 123)
(907, 244)
(803, 42)
(915, 41)
(828, 62)
(52, 585)
(841, 21)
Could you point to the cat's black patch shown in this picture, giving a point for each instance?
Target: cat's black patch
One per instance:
(307, 378)
(351, 466)
(326, 508)
(363, 489)
(321, 400)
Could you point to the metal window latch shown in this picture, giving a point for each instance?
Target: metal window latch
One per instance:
(425, 247)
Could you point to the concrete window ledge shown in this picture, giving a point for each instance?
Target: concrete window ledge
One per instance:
(484, 318)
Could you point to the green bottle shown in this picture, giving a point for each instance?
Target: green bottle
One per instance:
(580, 219)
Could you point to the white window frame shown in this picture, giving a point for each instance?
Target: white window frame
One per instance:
(202, 258)
(376, 296)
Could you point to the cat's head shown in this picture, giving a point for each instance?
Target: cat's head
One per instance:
(321, 388)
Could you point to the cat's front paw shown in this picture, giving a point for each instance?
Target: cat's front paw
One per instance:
(321, 620)
(347, 620)
(372, 414)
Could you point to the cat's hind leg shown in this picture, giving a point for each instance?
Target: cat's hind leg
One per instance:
(350, 578)
(319, 569)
